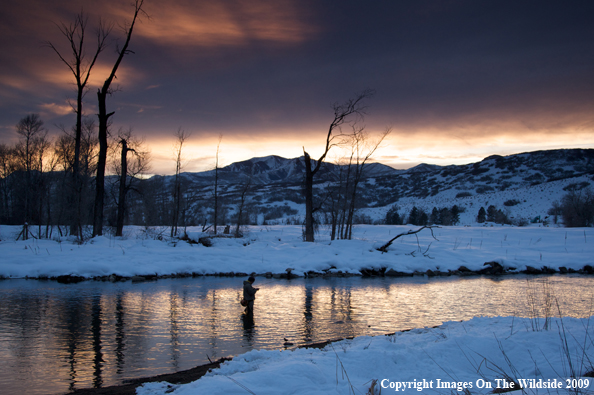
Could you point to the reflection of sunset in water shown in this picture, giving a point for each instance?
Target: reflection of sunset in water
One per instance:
(58, 337)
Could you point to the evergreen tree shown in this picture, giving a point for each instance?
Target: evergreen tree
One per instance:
(455, 210)
(435, 217)
(392, 216)
(492, 214)
(423, 218)
(413, 217)
(445, 217)
(482, 216)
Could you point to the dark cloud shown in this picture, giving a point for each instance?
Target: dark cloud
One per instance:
(447, 73)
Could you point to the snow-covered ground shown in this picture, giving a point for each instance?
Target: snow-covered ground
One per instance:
(479, 355)
(532, 201)
(277, 248)
(474, 354)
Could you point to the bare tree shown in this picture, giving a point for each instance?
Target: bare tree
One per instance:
(128, 171)
(181, 136)
(342, 113)
(577, 208)
(216, 186)
(30, 150)
(7, 166)
(244, 191)
(104, 124)
(63, 153)
(81, 68)
(362, 150)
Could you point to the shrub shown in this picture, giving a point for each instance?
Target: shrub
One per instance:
(511, 202)
(576, 186)
(521, 222)
(484, 189)
(577, 208)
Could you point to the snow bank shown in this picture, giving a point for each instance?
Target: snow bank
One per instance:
(477, 355)
(277, 248)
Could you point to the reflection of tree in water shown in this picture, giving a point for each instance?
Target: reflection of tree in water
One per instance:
(174, 328)
(96, 331)
(341, 309)
(213, 323)
(120, 333)
(308, 314)
(75, 319)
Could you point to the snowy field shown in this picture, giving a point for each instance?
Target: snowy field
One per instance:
(277, 248)
(473, 357)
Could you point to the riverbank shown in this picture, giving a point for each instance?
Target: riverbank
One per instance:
(278, 251)
(177, 378)
(480, 355)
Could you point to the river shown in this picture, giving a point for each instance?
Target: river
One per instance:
(58, 337)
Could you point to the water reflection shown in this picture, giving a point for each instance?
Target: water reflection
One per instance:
(55, 337)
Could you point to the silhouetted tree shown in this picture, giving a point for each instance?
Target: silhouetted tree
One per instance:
(342, 113)
(482, 216)
(104, 124)
(7, 166)
(181, 136)
(216, 187)
(363, 149)
(123, 187)
(81, 68)
(418, 216)
(435, 218)
(29, 152)
(455, 211)
(244, 191)
(491, 213)
(392, 216)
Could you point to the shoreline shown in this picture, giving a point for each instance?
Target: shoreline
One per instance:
(490, 268)
(128, 387)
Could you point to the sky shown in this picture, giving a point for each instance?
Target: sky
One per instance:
(455, 80)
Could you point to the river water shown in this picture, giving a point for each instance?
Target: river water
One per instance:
(58, 337)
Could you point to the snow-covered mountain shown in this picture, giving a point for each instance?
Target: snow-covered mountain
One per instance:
(274, 170)
(523, 185)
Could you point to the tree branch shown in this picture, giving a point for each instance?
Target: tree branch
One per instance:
(384, 248)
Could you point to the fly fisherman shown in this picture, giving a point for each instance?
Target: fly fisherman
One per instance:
(249, 294)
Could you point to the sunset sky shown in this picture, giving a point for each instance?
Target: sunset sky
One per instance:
(456, 80)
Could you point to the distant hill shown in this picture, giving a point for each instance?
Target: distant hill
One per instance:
(276, 170)
(531, 180)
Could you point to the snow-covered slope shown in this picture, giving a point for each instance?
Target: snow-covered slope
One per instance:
(522, 186)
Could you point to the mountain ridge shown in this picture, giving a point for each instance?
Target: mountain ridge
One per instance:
(532, 180)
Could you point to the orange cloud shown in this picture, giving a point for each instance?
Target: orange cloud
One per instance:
(210, 24)
(56, 109)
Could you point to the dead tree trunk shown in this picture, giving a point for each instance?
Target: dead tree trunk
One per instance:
(182, 136)
(123, 188)
(216, 187)
(103, 126)
(244, 192)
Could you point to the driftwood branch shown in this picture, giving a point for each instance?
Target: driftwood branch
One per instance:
(384, 248)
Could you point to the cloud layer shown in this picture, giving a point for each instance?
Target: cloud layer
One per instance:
(456, 80)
